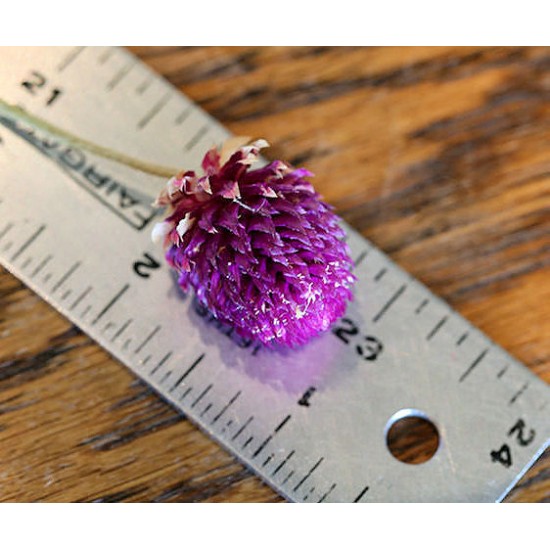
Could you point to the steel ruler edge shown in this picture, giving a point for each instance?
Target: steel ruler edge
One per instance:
(311, 422)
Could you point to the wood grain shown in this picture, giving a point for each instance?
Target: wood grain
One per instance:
(440, 156)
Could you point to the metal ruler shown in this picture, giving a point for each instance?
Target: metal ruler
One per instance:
(311, 422)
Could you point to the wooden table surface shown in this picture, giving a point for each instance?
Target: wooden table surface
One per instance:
(440, 156)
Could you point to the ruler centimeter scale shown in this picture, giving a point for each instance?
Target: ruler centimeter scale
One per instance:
(312, 422)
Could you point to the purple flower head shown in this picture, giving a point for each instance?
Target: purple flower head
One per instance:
(263, 253)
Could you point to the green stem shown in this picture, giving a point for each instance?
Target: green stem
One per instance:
(99, 150)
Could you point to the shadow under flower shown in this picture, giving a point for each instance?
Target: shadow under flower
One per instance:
(314, 366)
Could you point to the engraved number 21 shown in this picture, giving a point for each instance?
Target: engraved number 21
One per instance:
(37, 84)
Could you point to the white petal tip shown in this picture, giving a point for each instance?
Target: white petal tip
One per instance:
(184, 224)
(261, 144)
(159, 232)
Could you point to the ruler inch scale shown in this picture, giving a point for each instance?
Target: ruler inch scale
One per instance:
(312, 423)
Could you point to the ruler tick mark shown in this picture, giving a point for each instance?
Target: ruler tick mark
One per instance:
(361, 494)
(148, 338)
(155, 110)
(203, 393)
(242, 428)
(229, 422)
(27, 243)
(380, 274)
(323, 498)
(186, 393)
(196, 138)
(389, 303)
(422, 305)
(287, 477)
(119, 76)
(26, 262)
(435, 330)
(184, 114)
(502, 371)
(262, 446)
(165, 377)
(281, 425)
(121, 329)
(146, 360)
(267, 460)
(41, 265)
(312, 469)
(161, 362)
(206, 409)
(73, 54)
(247, 442)
(144, 85)
(518, 393)
(109, 325)
(222, 412)
(6, 230)
(270, 437)
(361, 258)
(476, 362)
(289, 456)
(105, 56)
(66, 294)
(66, 276)
(462, 338)
(111, 303)
(187, 372)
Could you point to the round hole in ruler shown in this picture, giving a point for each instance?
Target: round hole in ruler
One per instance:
(411, 436)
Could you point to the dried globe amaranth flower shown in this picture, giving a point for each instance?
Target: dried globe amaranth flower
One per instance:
(263, 253)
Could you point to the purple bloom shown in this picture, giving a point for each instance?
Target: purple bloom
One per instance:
(263, 253)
